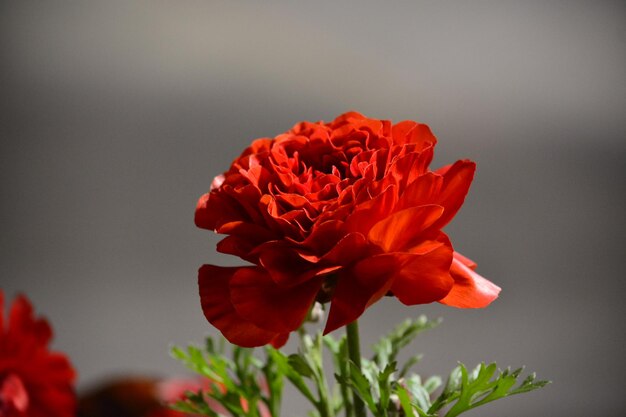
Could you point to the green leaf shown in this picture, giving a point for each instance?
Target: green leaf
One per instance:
(292, 375)
(300, 365)
(384, 385)
(420, 395)
(387, 348)
(339, 351)
(405, 401)
(361, 386)
(236, 376)
(274, 380)
(432, 384)
(485, 384)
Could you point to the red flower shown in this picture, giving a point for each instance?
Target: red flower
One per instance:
(345, 212)
(34, 382)
(149, 397)
(172, 390)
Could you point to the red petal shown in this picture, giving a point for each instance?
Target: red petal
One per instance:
(280, 340)
(213, 282)
(14, 394)
(205, 218)
(24, 328)
(359, 287)
(351, 247)
(470, 290)
(347, 117)
(256, 233)
(457, 179)
(403, 229)
(420, 192)
(1, 314)
(424, 278)
(404, 170)
(369, 213)
(279, 309)
(465, 261)
(284, 265)
(214, 209)
(238, 246)
(324, 236)
(412, 132)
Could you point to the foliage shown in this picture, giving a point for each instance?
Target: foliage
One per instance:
(242, 382)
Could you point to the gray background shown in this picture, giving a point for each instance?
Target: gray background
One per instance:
(116, 116)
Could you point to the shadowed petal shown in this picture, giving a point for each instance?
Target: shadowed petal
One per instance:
(424, 278)
(470, 290)
(289, 266)
(359, 287)
(213, 282)
(257, 298)
(214, 209)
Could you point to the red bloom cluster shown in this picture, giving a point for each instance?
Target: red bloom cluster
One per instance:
(342, 212)
(34, 382)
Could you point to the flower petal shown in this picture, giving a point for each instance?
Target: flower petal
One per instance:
(403, 229)
(457, 179)
(412, 132)
(213, 282)
(420, 192)
(359, 287)
(465, 261)
(424, 278)
(214, 209)
(351, 247)
(23, 328)
(1, 314)
(257, 298)
(370, 212)
(470, 290)
(289, 266)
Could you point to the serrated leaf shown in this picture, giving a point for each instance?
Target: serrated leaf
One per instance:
(300, 365)
(384, 385)
(361, 386)
(419, 394)
(484, 385)
(386, 350)
(296, 379)
(450, 391)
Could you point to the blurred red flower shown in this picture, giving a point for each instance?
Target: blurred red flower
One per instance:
(34, 382)
(344, 212)
(138, 396)
(172, 390)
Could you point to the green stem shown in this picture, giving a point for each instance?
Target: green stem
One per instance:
(346, 395)
(322, 385)
(354, 353)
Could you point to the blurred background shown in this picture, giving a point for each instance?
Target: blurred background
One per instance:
(115, 116)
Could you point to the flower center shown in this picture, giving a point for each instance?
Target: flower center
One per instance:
(13, 396)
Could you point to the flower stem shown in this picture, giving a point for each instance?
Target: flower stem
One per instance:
(354, 353)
